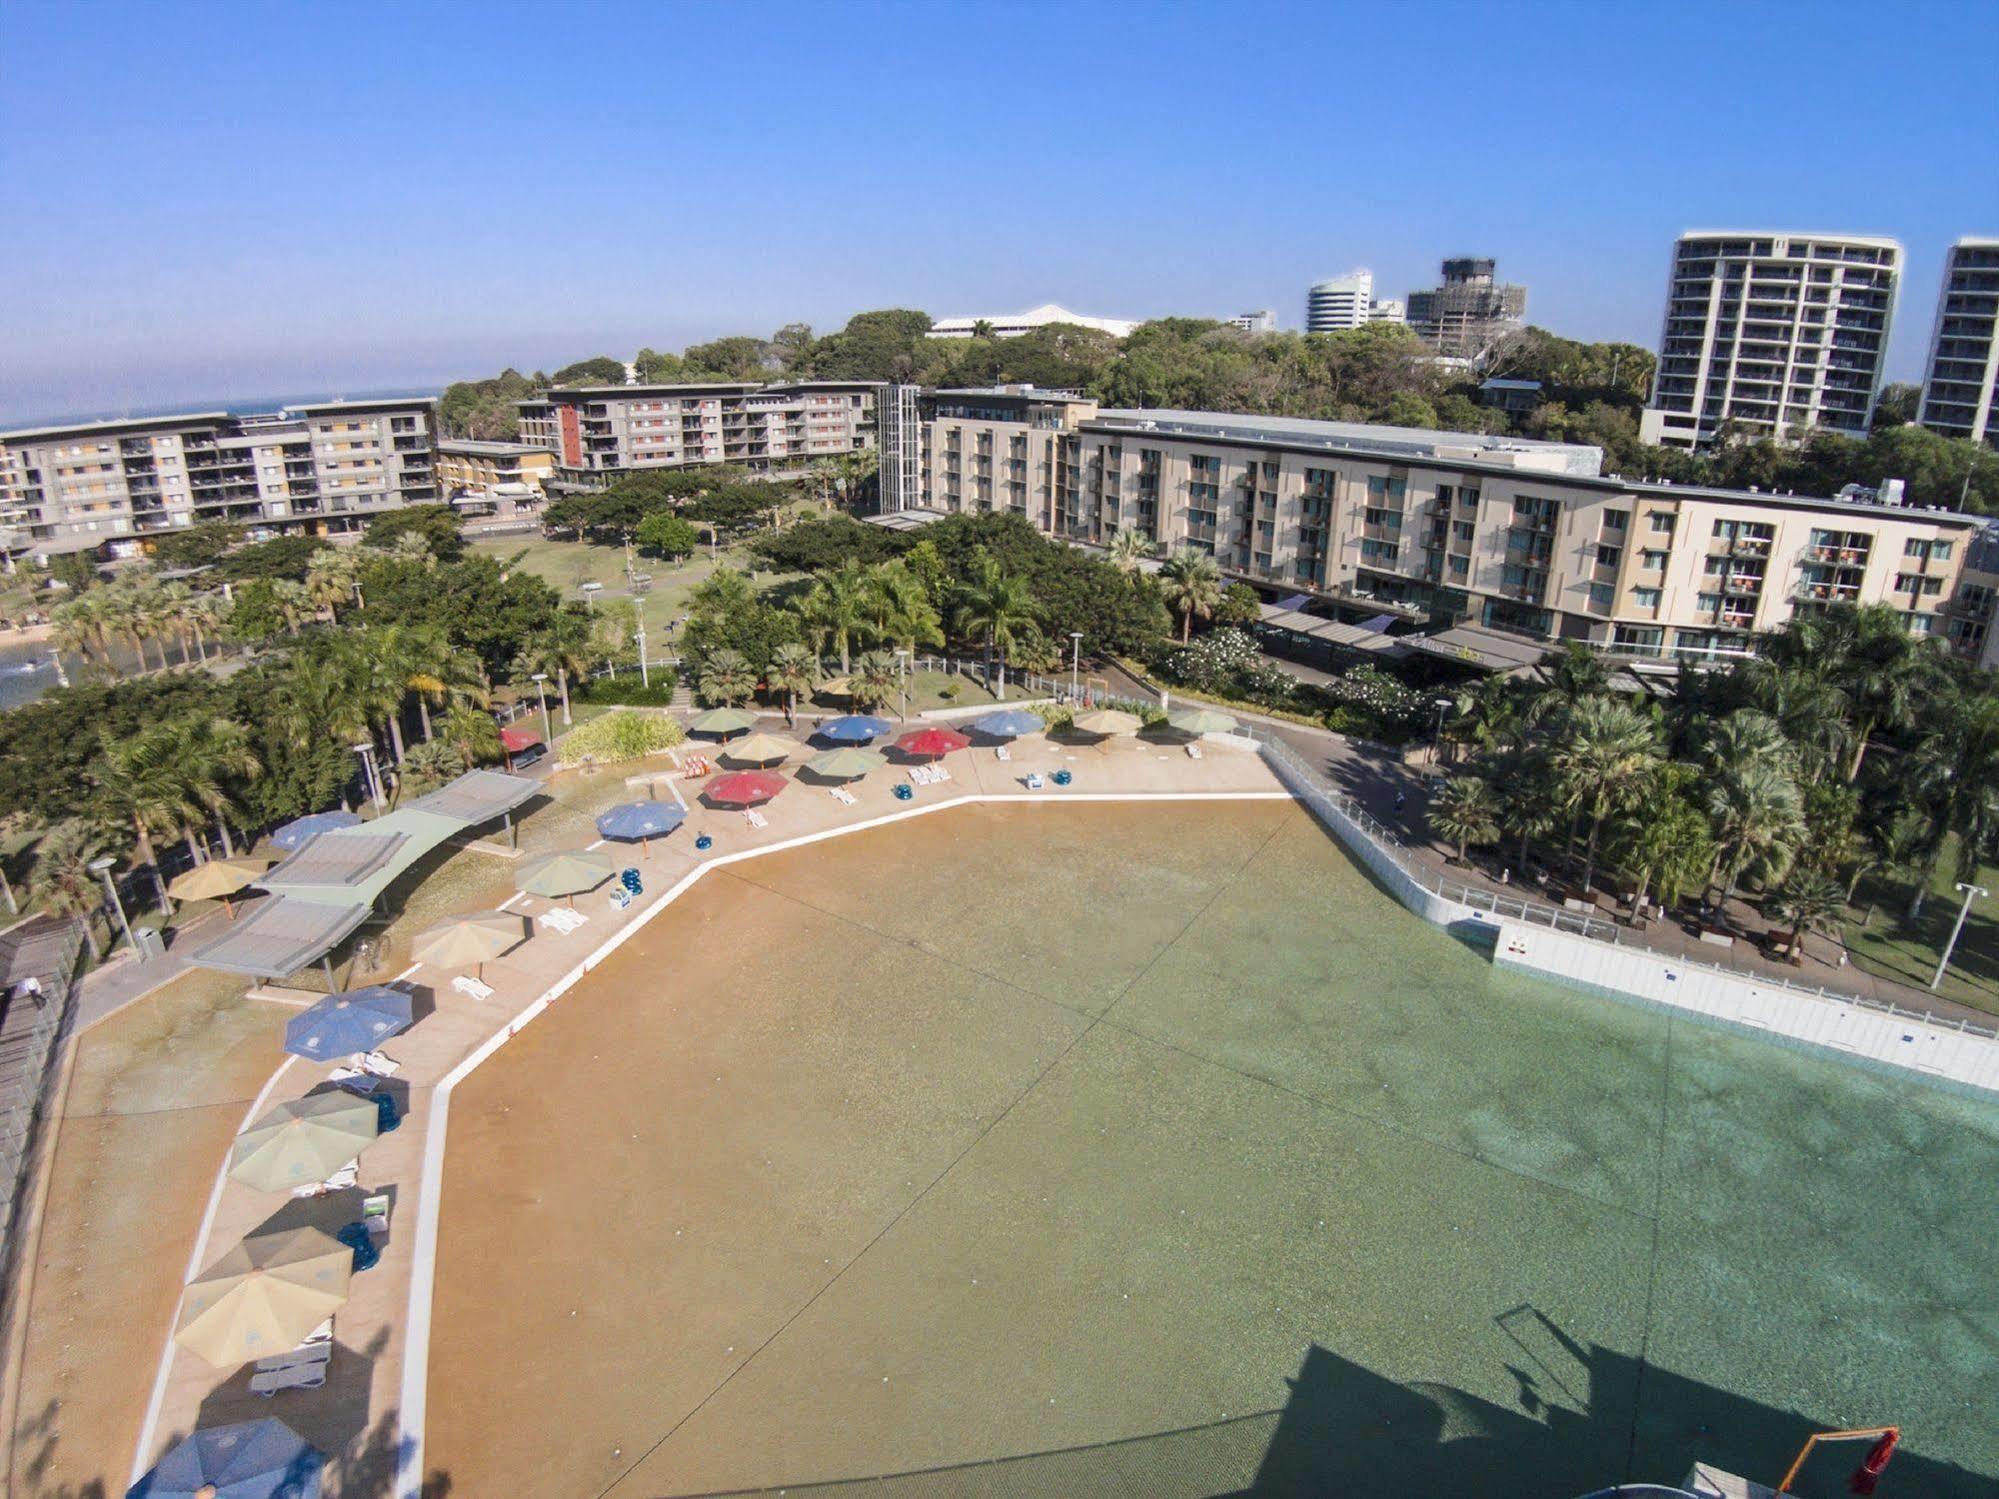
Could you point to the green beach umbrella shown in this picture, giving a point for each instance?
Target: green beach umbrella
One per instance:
(1108, 721)
(845, 764)
(759, 749)
(722, 721)
(304, 1140)
(566, 873)
(1201, 721)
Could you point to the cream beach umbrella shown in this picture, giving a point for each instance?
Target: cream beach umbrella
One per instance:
(218, 879)
(1202, 721)
(1106, 721)
(567, 873)
(304, 1140)
(469, 941)
(263, 1296)
(722, 722)
(845, 764)
(758, 749)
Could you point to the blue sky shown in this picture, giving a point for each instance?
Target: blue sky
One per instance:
(228, 201)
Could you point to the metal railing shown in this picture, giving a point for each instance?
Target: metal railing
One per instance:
(25, 1082)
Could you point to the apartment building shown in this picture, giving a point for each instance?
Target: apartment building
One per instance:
(1961, 385)
(598, 432)
(1264, 321)
(1442, 529)
(322, 468)
(1463, 318)
(493, 478)
(1339, 302)
(1769, 334)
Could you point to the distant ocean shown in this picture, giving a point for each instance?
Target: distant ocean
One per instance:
(235, 405)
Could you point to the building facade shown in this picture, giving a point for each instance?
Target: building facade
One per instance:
(1339, 302)
(1256, 322)
(1388, 310)
(1470, 312)
(323, 468)
(1961, 384)
(1767, 335)
(1445, 529)
(599, 432)
(1013, 324)
(493, 478)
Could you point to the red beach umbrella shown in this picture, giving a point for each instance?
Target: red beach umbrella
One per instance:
(744, 788)
(931, 742)
(514, 740)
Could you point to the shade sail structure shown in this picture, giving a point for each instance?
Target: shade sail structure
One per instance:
(846, 763)
(758, 749)
(218, 879)
(247, 1460)
(328, 885)
(295, 833)
(633, 822)
(1202, 721)
(1108, 721)
(569, 872)
(514, 738)
(304, 1140)
(263, 1296)
(744, 788)
(932, 742)
(466, 941)
(342, 1024)
(722, 722)
(1009, 723)
(854, 728)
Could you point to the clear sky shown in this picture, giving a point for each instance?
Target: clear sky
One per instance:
(225, 201)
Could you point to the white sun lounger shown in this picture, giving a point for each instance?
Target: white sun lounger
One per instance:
(562, 919)
(353, 1079)
(1193, 752)
(340, 1181)
(1001, 752)
(466, 984)
(379, 1064)
(1034, 781)
(375, 1213)
(293, 1377)
(757, 819)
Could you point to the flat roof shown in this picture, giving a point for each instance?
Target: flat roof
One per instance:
(477, 796)
(1363, 437)
(485, 447)
(326, 860)
(1474, 645)
(380, 404)
(903, 520)
(114, 424)
(279, 936)
(1878, 241)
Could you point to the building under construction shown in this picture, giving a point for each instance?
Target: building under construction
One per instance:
(1470, 312)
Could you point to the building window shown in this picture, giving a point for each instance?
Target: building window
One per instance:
(1645, 598)
(1600, 595)
(1652, 562)
(1708, 603)
(1615, 520)
(1608, 556)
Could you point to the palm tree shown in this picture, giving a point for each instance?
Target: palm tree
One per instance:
(207, 613)
(63, 882)
(900, 610)
(1757, 814)
(727, 678)
(1606, 754)
(410, 547)
(1664, 838)
(14, 829)
(1565, 678)
(214, 751)
(75, 627)
(1904, 844)
(836, 609)
(441, 673)
(1956, 771)
(377, 665)
(1128, 549)
(1192, 584)
(1467, 811)
(561, 650)
(1809, 707)
(333, 578)
(1810, 899)
(142, 782)
(874, 679)
(293, 604)
(793, 669)
(999, 607)
(172, 601)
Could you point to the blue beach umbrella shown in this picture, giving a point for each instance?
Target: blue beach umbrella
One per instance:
(635, 822)
(1009, 723)
(342, 1024)
(295, 833)
(249, 1460)
(854, 728)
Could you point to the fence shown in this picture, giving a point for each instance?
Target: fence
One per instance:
(31, 1033)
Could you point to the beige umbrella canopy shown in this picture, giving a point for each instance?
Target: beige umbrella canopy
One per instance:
(1202, 721)
(304, 1140)
(469, 941)
(1108, 721)
(264, 1296)
(218, 879)
(758, 749)
(566, 873)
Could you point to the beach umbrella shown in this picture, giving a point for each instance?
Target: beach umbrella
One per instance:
(854, 728)
(722, 722)
(931, 742)
(846, 763)
(1009, 723)
(302, 830)
(566, 873)
(1201, 721)
(744, 788)
(342, 1024)
(469, 941)
(758, 749)
(264, 1296)
(218, 879)
(640, 822)
(836, 687)
(246, 1460)
(1108, 721)
(304, 1140)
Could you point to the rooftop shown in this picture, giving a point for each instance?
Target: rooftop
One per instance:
(1574, 459)
(484, 448)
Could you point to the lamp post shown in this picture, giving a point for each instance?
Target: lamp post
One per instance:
(902, 680)
(644, 678)
(541, 690)
(102, 869)
(1075, 664)
(1968, 891)
(366, 750)
(1443, 706)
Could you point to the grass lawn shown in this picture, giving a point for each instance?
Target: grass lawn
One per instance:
(568, 565)
(1894, 947)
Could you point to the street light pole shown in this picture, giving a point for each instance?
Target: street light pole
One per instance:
(1443, 706)
(366, 750)
(1075, 665)
(103, 869)
(902, 678)
(644, 678)
(1964, 910)
(541, 690)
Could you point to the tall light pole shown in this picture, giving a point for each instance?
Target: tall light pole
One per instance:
(1968, 891)
(902, 679)
(541, 690)
(1075, 664)
(102, 868)
(366, 750)
(1443, 706)
(640, 635)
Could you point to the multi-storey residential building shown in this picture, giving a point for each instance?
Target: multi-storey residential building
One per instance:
(1961, 386)
(1256, 322)
(493, 478)
(1339, 302)
(1388, 310)
(1497, 533)
(598, 432)
(322, 468)
(1770, 334)
(1470, 311)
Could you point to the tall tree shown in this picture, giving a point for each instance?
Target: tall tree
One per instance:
(997, 607)
(1606, 753)
(1192, 584)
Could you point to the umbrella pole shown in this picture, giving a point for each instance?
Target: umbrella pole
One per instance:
(326, 962)
(227, 909)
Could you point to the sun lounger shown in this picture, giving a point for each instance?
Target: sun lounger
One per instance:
(340, 1181)
(1002, 753)
(621, 897)
(378, 1064)
(1034, 781)
(564, 920)
(315, 1351)
(757, 819)
(297, 1377)
(466, 984)
(1193, 752)
(353, 1079)
(375, 1213)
